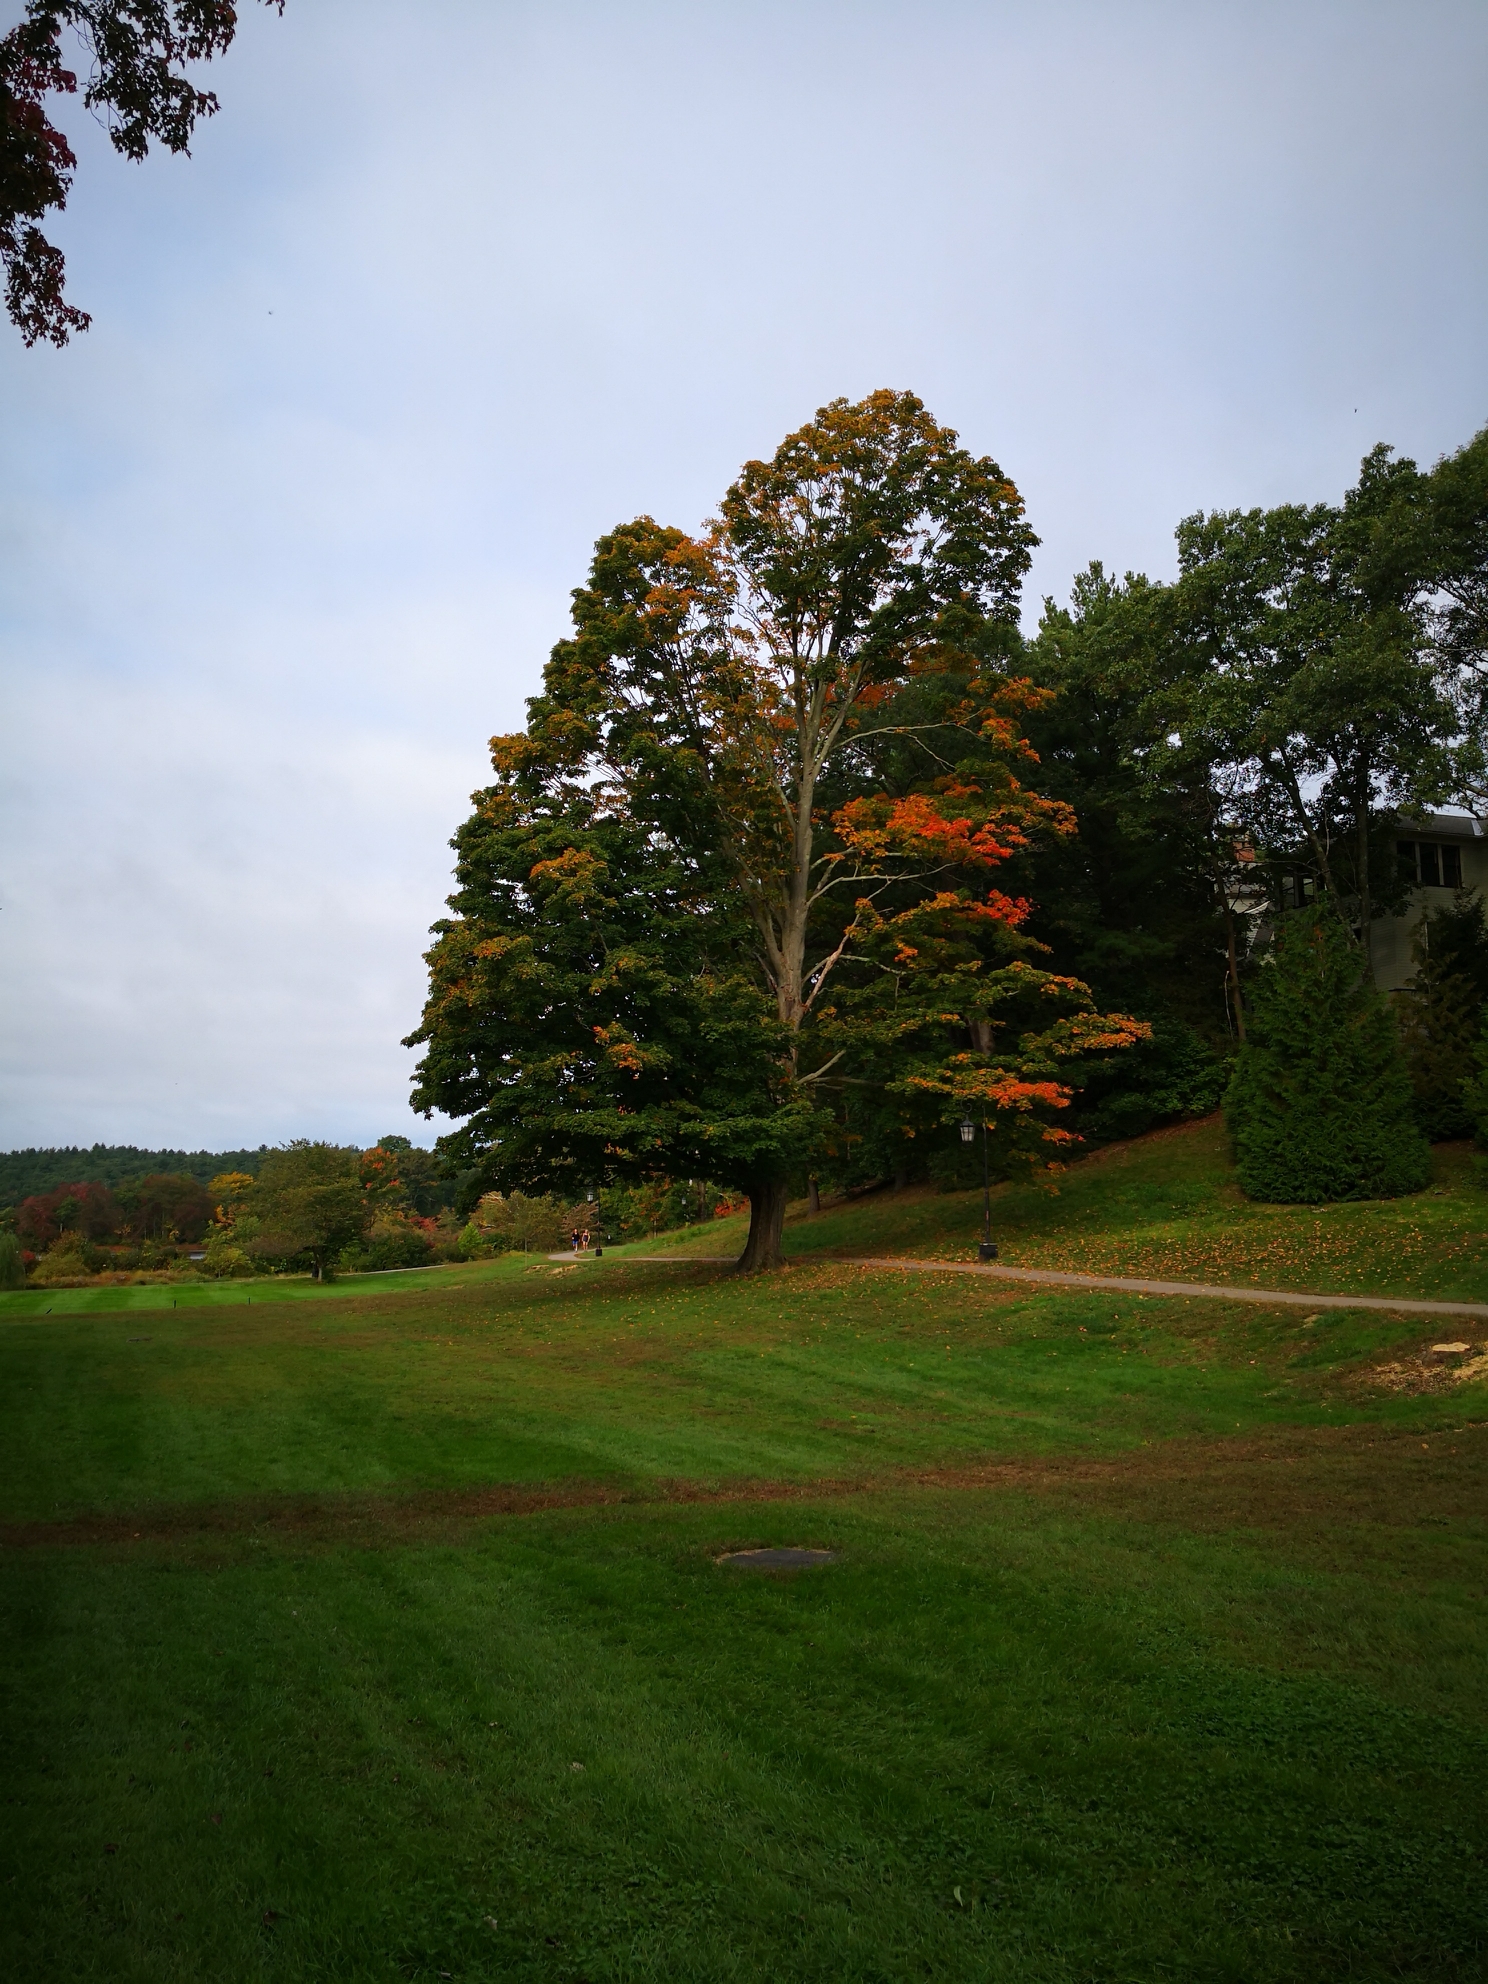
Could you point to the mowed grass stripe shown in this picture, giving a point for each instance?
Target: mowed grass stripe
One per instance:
(824, 1373)
(1201, 1759)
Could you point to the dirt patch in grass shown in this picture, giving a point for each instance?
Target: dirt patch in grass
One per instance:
(1428, 1371)
(1288, 1480)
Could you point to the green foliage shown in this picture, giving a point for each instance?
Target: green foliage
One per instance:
(1130, 904)
(1320, 1105)
(944, 1013)
(1450, 546)
(227, 1256)
(69, 1259)
(1440, 1014)
(1475, 1087)
(1298, 677)
(165, 1206)
(417, 1180)
(587, 1014)
(309, 1204)
(12, 1265)
(1168, 1078)
(661, 1206)
(394, 1239)
(517, 1221)
(472, 1242)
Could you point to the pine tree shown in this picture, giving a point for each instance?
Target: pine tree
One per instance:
(1440, 1012)
(1320, 1104)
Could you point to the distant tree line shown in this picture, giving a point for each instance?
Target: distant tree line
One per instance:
(23, 1172)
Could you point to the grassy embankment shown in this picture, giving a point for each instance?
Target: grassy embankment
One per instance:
(1155, 1646)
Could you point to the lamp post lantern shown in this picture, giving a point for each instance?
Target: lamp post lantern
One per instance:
(987, 1251)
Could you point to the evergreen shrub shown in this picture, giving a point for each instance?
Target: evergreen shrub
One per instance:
(1320, 1105)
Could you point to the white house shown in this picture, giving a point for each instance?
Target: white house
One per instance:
(1439, 854)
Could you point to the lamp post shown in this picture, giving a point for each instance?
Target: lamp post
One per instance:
(987, 1251)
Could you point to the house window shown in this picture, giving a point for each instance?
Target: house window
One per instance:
(1430, 864)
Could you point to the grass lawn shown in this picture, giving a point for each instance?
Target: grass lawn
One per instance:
(378, 1632)
(1167, 1207)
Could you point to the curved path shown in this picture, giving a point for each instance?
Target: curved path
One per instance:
(1123, 1284)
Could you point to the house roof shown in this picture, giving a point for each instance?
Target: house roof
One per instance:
(1446, 826)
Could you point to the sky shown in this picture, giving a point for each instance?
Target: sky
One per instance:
(446, 290)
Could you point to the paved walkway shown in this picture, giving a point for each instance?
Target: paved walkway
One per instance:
(1127, 1285)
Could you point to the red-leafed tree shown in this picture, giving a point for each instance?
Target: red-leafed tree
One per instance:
(90, 1211)
(137, 51)
(166, 1205)
(736, 867)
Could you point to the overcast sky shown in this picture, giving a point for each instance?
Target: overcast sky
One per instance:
(447, 290)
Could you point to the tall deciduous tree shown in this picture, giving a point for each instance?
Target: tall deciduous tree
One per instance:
(138, 50)
(761, 747)
(1451, 547)
(166, 1206)
(1298, 667)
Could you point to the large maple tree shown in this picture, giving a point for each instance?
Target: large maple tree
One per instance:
(735, 871)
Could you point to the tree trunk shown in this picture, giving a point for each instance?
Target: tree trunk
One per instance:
(766, 1224)
(813, 1196)
(1234, 970)
(1366, 900)
(1305, 821)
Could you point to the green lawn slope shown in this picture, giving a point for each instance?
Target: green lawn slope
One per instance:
(1166, 1206)
(384, 1631)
